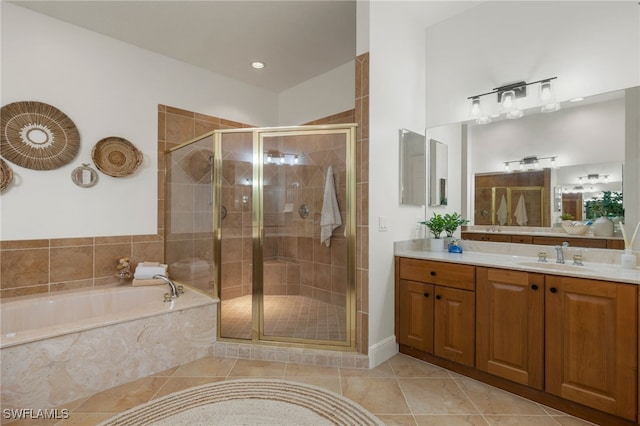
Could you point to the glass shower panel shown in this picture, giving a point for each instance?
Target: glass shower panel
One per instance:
(305, 283)
(236, 233)
(189, 211)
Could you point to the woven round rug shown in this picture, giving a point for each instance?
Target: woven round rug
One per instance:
(247, 402)
(37, 136)
(6, 175)
(116, 156)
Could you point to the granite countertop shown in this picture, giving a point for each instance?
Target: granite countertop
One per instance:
(515, 258)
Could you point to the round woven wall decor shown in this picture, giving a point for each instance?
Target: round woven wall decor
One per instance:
(116, 156)
(6, 175)
(37, 136)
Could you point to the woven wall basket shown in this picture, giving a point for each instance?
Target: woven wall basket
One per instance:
(37, 136)
(116, 156)
(6, 175)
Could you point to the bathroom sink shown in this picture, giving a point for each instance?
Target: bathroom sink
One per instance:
(561, 267)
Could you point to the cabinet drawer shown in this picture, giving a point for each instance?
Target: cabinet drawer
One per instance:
(441, 273)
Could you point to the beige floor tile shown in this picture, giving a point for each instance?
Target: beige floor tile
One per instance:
(331, 383)
(122, 397)
(299, 370)
(544, 420)
(490, 400)
(249, 368)
(84, 419)
(175, 384)
(382, 370)
(397, 420)
(435, 396)
(167, 373)
(405, 366)
(207, 366)
(571, 421)
(450, 420)
(378, 395)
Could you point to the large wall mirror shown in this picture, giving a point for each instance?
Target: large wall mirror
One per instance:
(413, 178)
(588, 141)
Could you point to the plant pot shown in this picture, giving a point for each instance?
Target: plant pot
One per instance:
(602, 227)
(436, 244)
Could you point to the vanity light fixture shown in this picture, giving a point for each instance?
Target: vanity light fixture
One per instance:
(528, 163)
(594, 178)
(507, 97)
(547, 98)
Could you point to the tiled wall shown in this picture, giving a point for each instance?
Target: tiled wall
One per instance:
(362, 220)
(41, 266)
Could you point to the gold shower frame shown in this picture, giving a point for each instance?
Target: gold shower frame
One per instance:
(258, 237)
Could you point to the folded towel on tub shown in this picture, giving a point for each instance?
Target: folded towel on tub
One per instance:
(146, 272)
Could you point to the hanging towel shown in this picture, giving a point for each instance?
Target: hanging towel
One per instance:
(330, 218)
(521, 212)
(502, 211)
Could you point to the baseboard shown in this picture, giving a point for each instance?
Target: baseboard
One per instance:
(382, 351)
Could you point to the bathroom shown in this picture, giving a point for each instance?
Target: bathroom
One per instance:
(123, 219)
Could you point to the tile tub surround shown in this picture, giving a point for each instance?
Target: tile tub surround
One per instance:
(29, 267)
(55, 370)
(599, 264)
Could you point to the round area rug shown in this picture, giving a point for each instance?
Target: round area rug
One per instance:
(247, 402)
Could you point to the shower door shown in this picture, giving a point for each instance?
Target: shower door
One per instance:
(285, 228)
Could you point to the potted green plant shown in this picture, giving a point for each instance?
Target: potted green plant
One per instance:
(452, 222)
(436, 228)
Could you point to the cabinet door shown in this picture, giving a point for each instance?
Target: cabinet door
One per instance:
(454, 323)
(416, 315)
(510, 325)
(591, 343)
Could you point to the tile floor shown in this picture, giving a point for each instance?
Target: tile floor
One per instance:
(401, 391)
(285, 316)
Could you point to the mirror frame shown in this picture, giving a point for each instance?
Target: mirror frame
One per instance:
(412, 171)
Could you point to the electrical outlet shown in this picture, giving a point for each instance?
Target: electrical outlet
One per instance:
(382, 224)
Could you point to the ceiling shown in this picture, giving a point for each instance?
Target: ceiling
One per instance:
(297, 40)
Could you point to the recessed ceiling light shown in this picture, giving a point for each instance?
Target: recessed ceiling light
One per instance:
(578, 99)
(257, 65)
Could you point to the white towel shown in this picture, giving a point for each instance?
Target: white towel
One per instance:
(521, 212)
(502, 211)
(147, 272)
(330, 218)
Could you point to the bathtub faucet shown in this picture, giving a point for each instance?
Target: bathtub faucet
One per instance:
(174, 289)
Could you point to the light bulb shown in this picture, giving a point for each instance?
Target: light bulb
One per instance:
(282, 159)
(475, 107)
(547, 99)
(507, 169)
(295, 159)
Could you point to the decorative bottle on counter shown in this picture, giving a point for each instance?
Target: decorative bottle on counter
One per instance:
(628, 259)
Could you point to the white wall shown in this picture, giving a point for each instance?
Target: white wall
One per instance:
(396, 93)
(592, 47)
(324, 95)
(110, 88)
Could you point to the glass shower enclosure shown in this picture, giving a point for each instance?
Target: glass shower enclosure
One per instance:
(264, 218)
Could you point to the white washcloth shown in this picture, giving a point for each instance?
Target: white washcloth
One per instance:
(502, 211)
(330, 218)
(147, 272)
(521, 212)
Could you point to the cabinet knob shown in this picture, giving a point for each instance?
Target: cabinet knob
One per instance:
(432, 273)
(534, 286)
(553, 290)
(438, 297)
(426, 295)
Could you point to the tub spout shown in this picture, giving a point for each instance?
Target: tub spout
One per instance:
(174, 289)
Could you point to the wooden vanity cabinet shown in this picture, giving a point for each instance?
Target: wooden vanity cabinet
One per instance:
(435, 308)
(591, 343)
(510, 325)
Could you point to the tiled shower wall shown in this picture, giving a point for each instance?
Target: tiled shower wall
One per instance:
(47, 265)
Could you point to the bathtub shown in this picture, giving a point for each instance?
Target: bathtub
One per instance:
(64, 346)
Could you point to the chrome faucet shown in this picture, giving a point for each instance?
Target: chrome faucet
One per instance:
(174, 289)
(559, 253)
